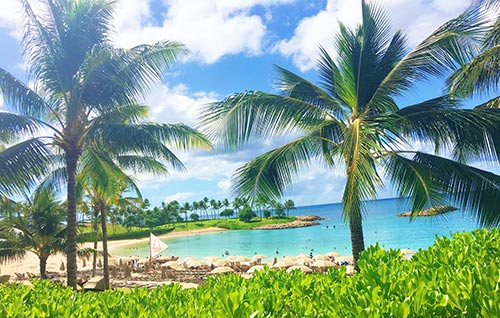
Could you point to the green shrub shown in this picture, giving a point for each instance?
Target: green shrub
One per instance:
(456, 277)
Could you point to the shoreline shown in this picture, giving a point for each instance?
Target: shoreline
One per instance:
(30, 263)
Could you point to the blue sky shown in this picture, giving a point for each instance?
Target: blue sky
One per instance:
(233, 46)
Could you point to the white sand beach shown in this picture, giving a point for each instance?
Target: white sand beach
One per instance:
(30, 264)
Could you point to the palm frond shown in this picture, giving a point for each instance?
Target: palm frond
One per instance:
(296, 87)
(478, 77)
(273, 171)
(19, 124)
(474, 190)
(141, 164)
(413, 180)
(20, 97)
(451, 45)
(233, 121)
(468, 133)
(128, 74)
(9, 252)
(22, 165)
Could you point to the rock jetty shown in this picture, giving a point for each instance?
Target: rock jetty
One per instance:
(431, 211)
(301, 221)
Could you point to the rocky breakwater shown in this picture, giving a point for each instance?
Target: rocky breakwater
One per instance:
(301, 221)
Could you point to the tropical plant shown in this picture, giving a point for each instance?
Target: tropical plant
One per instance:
(247, 214)
(38, 227)
(353, 121)
(84, 88)
(289, 205)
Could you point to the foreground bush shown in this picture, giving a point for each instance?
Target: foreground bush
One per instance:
(457, 277)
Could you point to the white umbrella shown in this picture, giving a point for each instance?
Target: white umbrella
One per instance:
(252, 269)
(321, 257)
(221, 262)
(189, 259)
(172, 265)
(222, 270)
(302, 261)
(211, 259)
(259, 256)
(232, 258)
(196, 264)
(303, 268)
(407, 251)
(303, 256)
(242, 259)
(332, 254)
(320, 263)
(289, 258)
(283, 264)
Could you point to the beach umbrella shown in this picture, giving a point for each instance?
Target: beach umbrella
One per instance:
(252, 269)
(332, 254)
(196, 264)
(303, 256)
(242, 259)
(321, 257)
(322, 264)
(302, 261)
(189, 259)
(221, 262)
(222, 270)
(283, 264)
(289, 258)
(259, 256)
(303, 268)
(172, 265)
(211, 259)
(407, 251)
(232, 258)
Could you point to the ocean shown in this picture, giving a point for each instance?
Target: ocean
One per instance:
(381, 224)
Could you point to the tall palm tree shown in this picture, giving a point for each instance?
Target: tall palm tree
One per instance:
(38, 227)
(352, 121)
(83, 84)
(289, 205)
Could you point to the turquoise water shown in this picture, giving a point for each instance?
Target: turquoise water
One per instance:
(381, 225)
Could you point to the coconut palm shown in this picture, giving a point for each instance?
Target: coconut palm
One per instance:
(289, 205)
(83, 84)
(38, 227)
(353, 121)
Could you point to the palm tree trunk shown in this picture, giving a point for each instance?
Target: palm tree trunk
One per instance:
(105, 268)
(357, 239)
(94, 253)
(43, 265)
(71, 161)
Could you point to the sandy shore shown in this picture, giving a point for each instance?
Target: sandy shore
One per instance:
(30, 264)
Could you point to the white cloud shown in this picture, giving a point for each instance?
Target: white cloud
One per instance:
(11, 15)
(177, 104)
(418, 18)
(179, 196)
(225, 185)
(210, 29)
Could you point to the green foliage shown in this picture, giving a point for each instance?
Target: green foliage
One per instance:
(246, 215)
(457, 277)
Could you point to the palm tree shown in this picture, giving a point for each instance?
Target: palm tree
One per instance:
(353, 121)
(38, 227)
(83, 85)
(289, 205)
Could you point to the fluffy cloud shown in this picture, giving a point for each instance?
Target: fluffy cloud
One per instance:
(418, 18)
(210, 29)
(177, 104)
